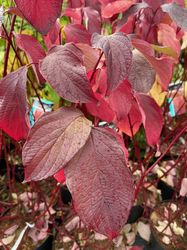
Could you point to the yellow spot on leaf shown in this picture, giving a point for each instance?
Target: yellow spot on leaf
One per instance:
(157, 93)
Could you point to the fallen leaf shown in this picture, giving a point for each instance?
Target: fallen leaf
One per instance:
(144, 230)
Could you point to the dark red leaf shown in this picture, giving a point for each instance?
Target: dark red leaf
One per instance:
(92, 20)
(53, 140)
(151, 117)
(41, 14)
(54, 36)
(177, 13)
(13, 104)
(75, 3)
(120, 100)
(142, 74)
(127, 28)
(118, 54)
(95, 4)
(116, 7)
(131, 124)
(76, 33)
(137, 248)
(33, 50)
(104, 202)
(154, 4)
(63, 69)
(131, 11)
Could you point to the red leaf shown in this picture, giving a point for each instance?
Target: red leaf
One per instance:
(54, 36)
(177, 13)
(118, 54)
(63, 69)
(120, 100)
(41, 14)
(104, 202)
(101, 109)
(76, 33)
(127, 28)
(99, 82)
(90, 55)
(105, 2)
(74, 14)
(142, 74)
(53, 140)
(164, 69)
(151, 117)
(60, 176)
(130, 125)
(163, 66)
(13, 104)
(33, 50)
(92, 20)
(116, 7)
(167, 37)
(143, 46)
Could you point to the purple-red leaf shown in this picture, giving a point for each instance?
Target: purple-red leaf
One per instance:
(53, 140)
(63, 69)
(77, 33)
(177, 13)
(142, 74)
(92, 19)
(33, 50)
(130, 12)
(151, 117)
(154, 4)
(104, 201)
(118, 53)
(41, 14)
(13, 104)
(120, 100)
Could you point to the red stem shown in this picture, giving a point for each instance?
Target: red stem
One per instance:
(8, 46)
(140, 184)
